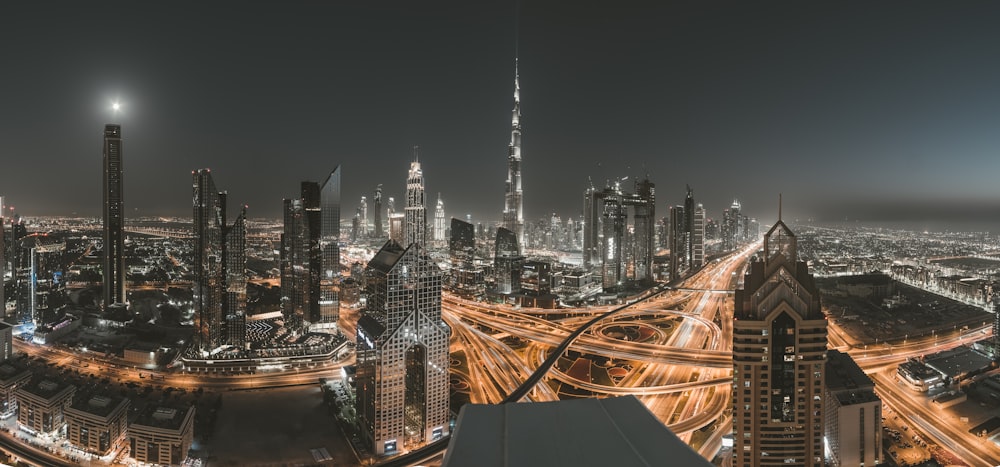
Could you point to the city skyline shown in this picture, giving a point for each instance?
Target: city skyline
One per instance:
(694, 95)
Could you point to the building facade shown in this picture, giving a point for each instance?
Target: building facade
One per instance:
(41, 404)
(619, 234)
(402, 352)
(507, 263)
(415, 228)
(114, 217)
(440, 224)
(97, 423)
(13, 374)
(329, 245)
(853, 414)
(779, 359)
(513, 210)
(162, 434)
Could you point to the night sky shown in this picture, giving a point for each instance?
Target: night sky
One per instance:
(859, 110)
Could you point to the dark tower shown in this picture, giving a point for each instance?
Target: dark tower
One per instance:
(114, 217)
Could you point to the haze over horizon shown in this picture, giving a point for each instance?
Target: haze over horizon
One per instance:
(882, 112)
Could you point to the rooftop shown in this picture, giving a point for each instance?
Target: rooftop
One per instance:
(12, 370)
(618, 431)
(845, 379)
(101, 404)
(163, 416)
(958, 362)
(45, 388)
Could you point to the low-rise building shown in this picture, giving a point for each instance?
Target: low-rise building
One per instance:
(13, 374)
(41, 404)
(162, 434)
(853, 431)
(97, 423)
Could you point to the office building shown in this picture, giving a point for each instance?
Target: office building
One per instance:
(402, 352)
(6, 341)
(97, 422)
(677, 242)
(396, 227)
(379, 232)
(312, 203)
(698, 237)
(294, 261)
(779, 358)
(329, 244)
(619, 233)
(162, 434)
(513, 210)
(507, 263)
(415, 228)
(13, 374)
(220, 268)
(114, 217)
(38, 277)
(466, 277)
(41, 404)
(3, 263)
(733, 226)
(853, 414)
(440, 224)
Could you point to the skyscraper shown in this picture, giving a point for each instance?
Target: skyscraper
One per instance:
(220, 267)
(689, 228)
(294, 259)
(402, 352)
(623, 254)
(466, 277)
(377, 200)
(415, 228)
(779, 356)
(732, 226)
(312, 205)
(440, 224)
(513, 215)
(698, 237)
(329, 244)
(234, 250)
(114, 217)
(363, 213)
(507, 262)
(677, 242)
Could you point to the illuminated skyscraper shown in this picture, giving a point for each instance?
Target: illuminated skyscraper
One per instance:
(853, 414)
(440, 224)
(466, 277)
(677, 242)
(733, 229)
(220, 267)
(312, 205)
(689, 228)
(698, 237)
(513, 215)
(402, 352)
(779, 357)
(329, 244)
(415, 228)
(294, 259)
(507, 263)
(114, 217)
(377, 200)
(363, 213)
(235, 254)
(618, 233)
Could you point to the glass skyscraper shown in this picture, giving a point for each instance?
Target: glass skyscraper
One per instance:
(114, 217)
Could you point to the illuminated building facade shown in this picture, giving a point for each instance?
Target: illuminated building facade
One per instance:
(402, 352)
(379, 231)
(513, 211)
(38, 277)
(97, 423)
(440, 224)
(329, 245)
(294, 258)
(779, 359)
(114, 217)
(619, 231)
(41, 404)
(161, 434)
(220, 267)
(415, 228)
(853, 414)
(507, 263)
(466, 278)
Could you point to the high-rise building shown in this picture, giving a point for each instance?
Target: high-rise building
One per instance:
(220, 267)
(402, 352)
(3, 263)
(363, 214)
(507, 263)
(396, 227)
(38, 278)
(513, 214)
(678, 242)
(698, 237)
(377, 200)
(415, 228)
(689, 228)
(779, 359)
(114, 217)
(618, 233)
(853, 414)
(294, 259)
(733, 227)
(329, 244)
(235, 253)
(311, 203)
(466, 277)
(440, 224)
